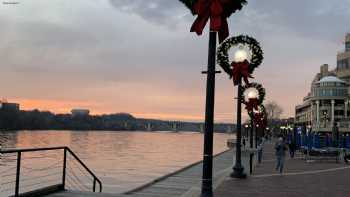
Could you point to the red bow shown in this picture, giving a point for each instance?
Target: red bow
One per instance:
(212, 9)
(240, 69)
(252, 104)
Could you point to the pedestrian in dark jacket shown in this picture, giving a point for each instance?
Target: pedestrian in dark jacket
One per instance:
(292, 147)
(280, 148)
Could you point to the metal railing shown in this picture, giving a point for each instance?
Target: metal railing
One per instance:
(96, 183)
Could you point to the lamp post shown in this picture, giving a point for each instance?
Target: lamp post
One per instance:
(251, 146)
(335, 135)
(207, 182)
(256, 135)
(246, 130)
(251, 93)
(238, 169)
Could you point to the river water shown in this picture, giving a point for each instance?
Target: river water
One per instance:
(122, 160)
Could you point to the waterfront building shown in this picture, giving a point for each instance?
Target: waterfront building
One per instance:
(327, 103)
(80, 112)
(5, 106)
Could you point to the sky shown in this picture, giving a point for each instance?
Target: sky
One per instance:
(138, 56)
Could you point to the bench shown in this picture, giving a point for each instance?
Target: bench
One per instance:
(324, 154)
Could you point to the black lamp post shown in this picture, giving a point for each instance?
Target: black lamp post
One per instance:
(335, 135)
(256, 135)
(207, 176)
(238, 170)
(251, 146)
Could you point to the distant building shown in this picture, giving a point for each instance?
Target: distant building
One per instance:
(328, 101)
(9, 106)
(80, 112)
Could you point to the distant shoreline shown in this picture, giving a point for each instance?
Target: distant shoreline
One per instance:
(37, 120)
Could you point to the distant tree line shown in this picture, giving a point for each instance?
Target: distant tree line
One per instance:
(39, 120)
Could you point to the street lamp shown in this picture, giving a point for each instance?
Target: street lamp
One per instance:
(251, 93)
(238, 170)
(246, 130)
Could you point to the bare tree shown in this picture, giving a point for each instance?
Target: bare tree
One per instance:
(273, 110)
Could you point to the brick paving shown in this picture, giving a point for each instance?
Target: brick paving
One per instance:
(300, 178)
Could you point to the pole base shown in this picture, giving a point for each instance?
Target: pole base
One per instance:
(207, 194)
(238, 172)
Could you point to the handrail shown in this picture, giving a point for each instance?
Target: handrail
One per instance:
(87, 169)
(66, 149)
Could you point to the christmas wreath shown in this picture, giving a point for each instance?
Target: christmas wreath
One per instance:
(253, 103)
(240, 69)
(259, 117)
(217, 11)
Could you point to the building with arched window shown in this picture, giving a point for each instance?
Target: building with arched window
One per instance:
(327, 103)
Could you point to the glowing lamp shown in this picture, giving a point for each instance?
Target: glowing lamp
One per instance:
(240, 55)
(251, 93)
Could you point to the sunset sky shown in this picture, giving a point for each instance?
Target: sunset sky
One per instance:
(138, 56)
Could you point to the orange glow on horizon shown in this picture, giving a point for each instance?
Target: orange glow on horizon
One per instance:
(56, 106)
(65, 106)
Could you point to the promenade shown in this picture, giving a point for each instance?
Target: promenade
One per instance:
(300, 178)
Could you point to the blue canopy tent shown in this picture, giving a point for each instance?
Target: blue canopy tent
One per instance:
(289, 138)
(317, 143)
(347, 141)
(310, 140)
(298, 140)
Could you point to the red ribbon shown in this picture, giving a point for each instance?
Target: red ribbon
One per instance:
(240, 69)
(252, 104)
(212, 9)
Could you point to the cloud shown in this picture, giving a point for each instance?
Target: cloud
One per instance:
(320, 19)
(164, 12)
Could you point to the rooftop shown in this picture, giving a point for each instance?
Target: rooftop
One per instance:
(330, 79)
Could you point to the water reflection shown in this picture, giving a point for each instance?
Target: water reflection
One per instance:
(122, 160)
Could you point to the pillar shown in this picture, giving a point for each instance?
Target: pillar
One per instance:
(346, 108)
(311, 114)
(332, 120)
(318, 113)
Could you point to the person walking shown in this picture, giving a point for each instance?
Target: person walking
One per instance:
(280, 148)
(261, 149)
(292, 147)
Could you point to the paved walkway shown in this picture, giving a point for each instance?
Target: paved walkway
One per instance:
(300, 178)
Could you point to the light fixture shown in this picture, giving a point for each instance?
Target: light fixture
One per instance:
(240, 55)
(251, 93)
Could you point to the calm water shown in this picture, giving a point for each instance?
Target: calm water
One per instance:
(122, 160)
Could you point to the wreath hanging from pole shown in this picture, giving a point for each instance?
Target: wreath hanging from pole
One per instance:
(259, 117)
(240, 69)
(217, 10)
(252, 103)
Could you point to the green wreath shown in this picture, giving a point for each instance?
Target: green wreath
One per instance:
(230, 6)
(261, 111)
(259, 88)
(254, 46)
